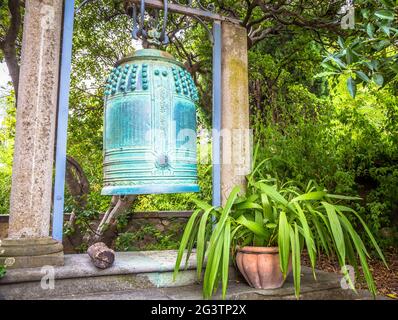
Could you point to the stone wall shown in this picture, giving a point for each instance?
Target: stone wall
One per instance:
(158, 231)
(144, 231)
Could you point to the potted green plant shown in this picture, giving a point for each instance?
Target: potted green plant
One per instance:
(274, 222)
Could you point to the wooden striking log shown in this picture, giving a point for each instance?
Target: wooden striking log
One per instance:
(101, 256)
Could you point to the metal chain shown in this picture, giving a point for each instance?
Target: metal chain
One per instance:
(152, 36)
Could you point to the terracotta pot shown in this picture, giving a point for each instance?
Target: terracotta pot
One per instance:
(260, 267)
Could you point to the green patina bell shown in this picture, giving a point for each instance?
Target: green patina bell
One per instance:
(150, 126)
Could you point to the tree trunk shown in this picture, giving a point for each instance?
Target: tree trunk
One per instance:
(107, 229)
(77, 182)
(79, 187)
(8, 45)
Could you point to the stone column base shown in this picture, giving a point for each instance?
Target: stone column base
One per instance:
(31, 252)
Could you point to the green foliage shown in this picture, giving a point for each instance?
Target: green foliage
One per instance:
(7, 132)
(125, 241)
(148, 237)
(272, 213)
(3, 271)
(369, 53)
(347, 145)
(98, 42)
(82, 221)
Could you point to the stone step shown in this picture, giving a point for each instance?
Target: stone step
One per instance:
(310, 290)
(131, 270)
(236, 291)
(149, 275)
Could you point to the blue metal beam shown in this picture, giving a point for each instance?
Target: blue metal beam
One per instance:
(62, 120)
(216, 166)
(63, 109)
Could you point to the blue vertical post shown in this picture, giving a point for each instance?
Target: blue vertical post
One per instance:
(216, 172)
(62, 120)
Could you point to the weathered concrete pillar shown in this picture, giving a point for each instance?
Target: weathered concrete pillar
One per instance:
(235, 135)
(30, 203)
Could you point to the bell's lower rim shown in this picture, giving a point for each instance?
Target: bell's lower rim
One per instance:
(149, 189)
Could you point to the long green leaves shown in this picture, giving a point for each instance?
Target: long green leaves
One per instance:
(295, 244)
(200, 243)
(226, 251)
(313, 212)
(267, 209)
(371, 237)
(337, 232)
(307, 236)
(322, 234)
(255, 227)
(317, 195)
(272, 192)
(184, 241)
(284, 243)
(212, 268)
(274, 214)
(216, 247)
(361, 250)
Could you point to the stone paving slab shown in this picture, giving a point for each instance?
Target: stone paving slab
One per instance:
(327, 286)
(143, 294)
(79, 265)
(148, 276)
(236, 291)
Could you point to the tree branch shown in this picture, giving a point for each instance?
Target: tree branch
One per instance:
(8, 44)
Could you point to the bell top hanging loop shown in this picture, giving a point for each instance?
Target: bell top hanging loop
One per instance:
(142, 32)
(163, 36)
(139, 31)
(135, 33)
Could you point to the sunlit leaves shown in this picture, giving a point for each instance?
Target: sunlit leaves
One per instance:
(385, 14)
(368, 50)
(296, 266)
(378, 79)
(284, 243)
(352, 86)
(363, 76)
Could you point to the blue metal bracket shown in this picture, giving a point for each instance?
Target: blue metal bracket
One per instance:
(62, 120)
(216, 172)
(63, 110)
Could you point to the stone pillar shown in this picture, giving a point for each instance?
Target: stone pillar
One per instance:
(235, 134)
(28, 243)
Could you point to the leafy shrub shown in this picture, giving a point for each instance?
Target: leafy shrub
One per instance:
(348, 145)
(3, 271)
(7, 132)
(148, 237)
